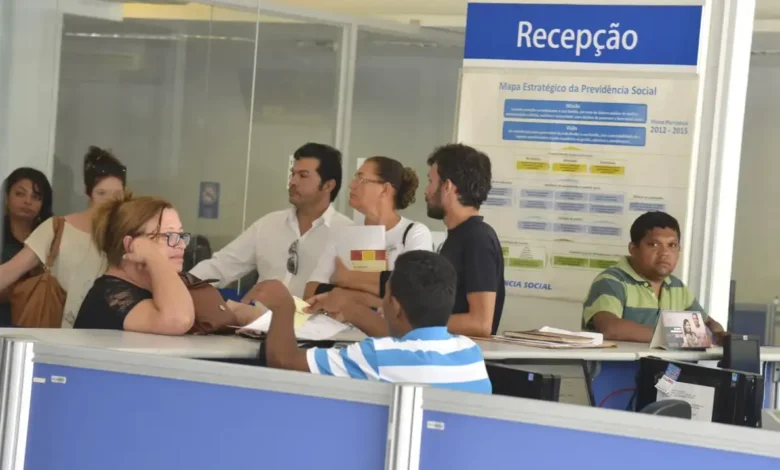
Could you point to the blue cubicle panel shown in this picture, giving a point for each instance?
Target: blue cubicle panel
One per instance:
(751, 319)
(95, 419)
(614, 387)
(453, 441)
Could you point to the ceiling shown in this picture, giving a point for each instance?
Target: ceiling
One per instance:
(434, 13)
(448, 12)
(453, 11)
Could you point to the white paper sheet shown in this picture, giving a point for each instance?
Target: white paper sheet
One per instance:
(317, 328)
(701, 399)
(307, 326)
(597, 339)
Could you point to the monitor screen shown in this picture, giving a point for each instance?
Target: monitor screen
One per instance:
(744, 354)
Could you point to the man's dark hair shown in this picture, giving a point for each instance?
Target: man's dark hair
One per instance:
(330, 164)
(645, 223)
(424, 284)
(467, 168)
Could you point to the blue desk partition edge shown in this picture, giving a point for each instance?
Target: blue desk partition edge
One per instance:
(469, 442)
(102, 420)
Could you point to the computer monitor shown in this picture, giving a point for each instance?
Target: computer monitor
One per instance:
(742, 353)
(732, 304)
(515, 381)
(737, 397)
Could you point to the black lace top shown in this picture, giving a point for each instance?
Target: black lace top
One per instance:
(108, 302)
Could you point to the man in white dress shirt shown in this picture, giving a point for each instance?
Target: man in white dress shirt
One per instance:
(286, 245)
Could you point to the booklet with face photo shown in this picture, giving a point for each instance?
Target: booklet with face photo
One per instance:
(681, 330)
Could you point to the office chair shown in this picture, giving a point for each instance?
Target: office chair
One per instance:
(670, 408)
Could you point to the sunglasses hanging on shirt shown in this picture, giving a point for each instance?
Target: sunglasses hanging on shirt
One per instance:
(292, 261)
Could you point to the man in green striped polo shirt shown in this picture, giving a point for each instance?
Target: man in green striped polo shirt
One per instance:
(624, 301)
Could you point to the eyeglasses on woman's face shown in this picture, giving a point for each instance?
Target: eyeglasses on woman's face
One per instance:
(173, 239)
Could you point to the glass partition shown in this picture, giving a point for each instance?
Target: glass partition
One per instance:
(206, 104)
(404, 104)
(168, 90)
(296, 101)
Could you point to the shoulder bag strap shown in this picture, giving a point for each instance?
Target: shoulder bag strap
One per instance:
(406, 232)
(54, 250)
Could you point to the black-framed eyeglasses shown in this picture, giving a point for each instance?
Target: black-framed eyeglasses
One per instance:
(292, 261)
(174, 238)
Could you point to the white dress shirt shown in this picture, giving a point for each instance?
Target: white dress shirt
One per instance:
(265, 247)
(418, 238)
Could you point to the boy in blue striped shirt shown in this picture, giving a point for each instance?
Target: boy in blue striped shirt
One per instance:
(418, 301)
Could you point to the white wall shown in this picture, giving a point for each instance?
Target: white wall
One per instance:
(756, 265)
(29, 52)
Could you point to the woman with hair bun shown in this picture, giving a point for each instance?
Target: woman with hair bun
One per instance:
(79, 263)
(381, 187)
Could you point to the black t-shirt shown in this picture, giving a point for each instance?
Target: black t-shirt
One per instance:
(473, 248)
(10, 246)
(108, 302)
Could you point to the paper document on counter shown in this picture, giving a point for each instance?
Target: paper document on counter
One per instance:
(554, 338)
(701, 399)
(312, 327)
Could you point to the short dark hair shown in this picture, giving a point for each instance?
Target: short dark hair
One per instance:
(424, 284)
(330, 163)
(648, 221)
(467, 168)
(100, 164)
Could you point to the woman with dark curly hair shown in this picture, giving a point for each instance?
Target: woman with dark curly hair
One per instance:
(78, 262)
(27, 202)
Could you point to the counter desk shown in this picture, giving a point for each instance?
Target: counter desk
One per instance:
(611, 370)
(51, 420)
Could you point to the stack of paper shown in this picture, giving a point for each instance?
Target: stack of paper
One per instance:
(554, 338)
(311, 327)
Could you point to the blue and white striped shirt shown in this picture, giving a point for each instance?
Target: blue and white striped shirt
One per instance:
(423, 356)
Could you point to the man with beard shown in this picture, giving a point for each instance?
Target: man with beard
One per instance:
(286, 245)
(459, 179)
(625, 300)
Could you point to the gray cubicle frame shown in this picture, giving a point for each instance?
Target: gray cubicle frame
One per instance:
(406, 403)
(20, 355)
(612, 422)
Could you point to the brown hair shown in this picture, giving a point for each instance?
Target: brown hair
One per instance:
(100, 164)
(125, 216)
(403, 179)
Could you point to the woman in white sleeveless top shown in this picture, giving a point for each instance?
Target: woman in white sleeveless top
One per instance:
(381, 187)
(79, 263)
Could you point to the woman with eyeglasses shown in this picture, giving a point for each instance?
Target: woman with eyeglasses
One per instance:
(381, 187)
(78, 263)
(143, 241)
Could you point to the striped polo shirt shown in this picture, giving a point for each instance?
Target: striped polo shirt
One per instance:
(423, 356)
(621, 291)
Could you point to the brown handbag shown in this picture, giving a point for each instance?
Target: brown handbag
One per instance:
(212, 314)
(38, 301)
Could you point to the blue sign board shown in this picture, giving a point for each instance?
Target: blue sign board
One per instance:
(597, 34)
(208, 203)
